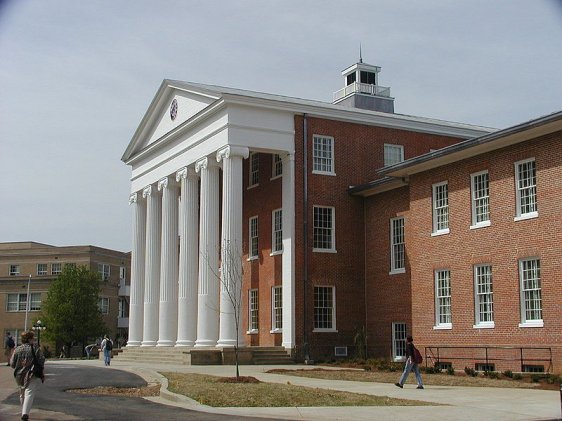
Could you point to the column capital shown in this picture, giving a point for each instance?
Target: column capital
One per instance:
(231, 150)
(133, 198)
(185, 172)
(204, 163)
(166, 182)
(147, 191)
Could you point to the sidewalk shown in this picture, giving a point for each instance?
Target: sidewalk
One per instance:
(458, 403)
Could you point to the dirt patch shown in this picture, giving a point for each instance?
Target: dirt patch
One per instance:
(240, 379)
(139, 392)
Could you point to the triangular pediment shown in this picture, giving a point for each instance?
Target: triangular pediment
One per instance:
(173, 105)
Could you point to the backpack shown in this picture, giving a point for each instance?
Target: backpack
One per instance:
(418, 359)
(11, 343)
(108, 345)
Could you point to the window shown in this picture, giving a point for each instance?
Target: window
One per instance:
(254, 169)
(253, 307)
(103, 305)
(323, 229)
(323, 155)
(122, 272)
(393, 154)
(123, 310)
(104, 270)
(397, 263)
(41, 268)
(56, 268)
(480, 189)
(526, 189)
(443, 299)
(18, 302)
(531, 302)
(483, 296)
(485, 367)
(14, 270)
(253, 234)
(441, 208)
(368, 77)
(277, 231)
(531, 368)
(324, 309)
(399, 341)
(276, 309)
(277, 166)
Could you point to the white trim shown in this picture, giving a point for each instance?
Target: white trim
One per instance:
(251, 168)
(443, 326)
(397, 271)
(532, 323)
(333, 230)
(438, 233)
(273, 231)
(393, 263)
(396, 147)
(332, 170)
(434, 225)
(483, 224)
(477, 321)
(486, 222)
(274, 167)
(522, 307)
(438, 324)
(518, 214)
(252, 256)
(334, 326)
(485, 325)
(530, 215)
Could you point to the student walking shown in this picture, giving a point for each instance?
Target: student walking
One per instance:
(106, 347)
(28, 362)
(413, 358)
(9, 346)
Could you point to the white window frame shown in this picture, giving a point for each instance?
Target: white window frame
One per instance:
(42, 269)
(15, 270)
(104, 269)
(529, 188)
(17, 302)
(277, 231)
(253, 170)
(393, 154)
(277, 309)
(530, 293)
(318, 230)
(253, 311)
(443, 313)
(56, 268)
(276, 166)
(323, 155)
(253, 238)
(483, 297)
(123, 308)
(103, 305)
(399, 330)
(397, 246)
(440, 210)
(330, 311)
(480, 199)
(122, 272)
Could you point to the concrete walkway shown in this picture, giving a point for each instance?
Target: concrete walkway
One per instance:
(455, 403)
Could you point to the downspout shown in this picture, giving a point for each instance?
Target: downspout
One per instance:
(305, 236)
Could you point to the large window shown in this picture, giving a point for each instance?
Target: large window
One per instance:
(323, 228)
(483, 296)
(18, 302)
(56, 268)
(104, 270)
(253, 311)
(397, 261)
(122, 272)
(443, 299)
(526, 188)
(323, 155)
(42, 269)
(324, 308)
(480, 190)
(103, 305)
(254, 175)
(399, 341)
(531, 301)
(14, 270)
(277, 231)
(277, 166)
(441, 208)
(393, 154)
(123, 310)
(253, 236)
(276, 309)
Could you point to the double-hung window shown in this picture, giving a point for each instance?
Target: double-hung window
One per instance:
(526, 189)
(253, 236)
(103, 305)
(323, 155)
(443, 299)
(276, 309)
(324, 229)
(531, 301)
(324, 308)
(277, 166)
(399, 341)
(253, 311)
(104, 270)
(483, 296)
(480, 192)
(393, 154)
(254, 169)
(397, 252)
(18, 302)
(276, 231)
(14, 270)
(42, 269)
(441, 208)
(56, 268)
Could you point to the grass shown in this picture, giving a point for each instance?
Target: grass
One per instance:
(217, 392)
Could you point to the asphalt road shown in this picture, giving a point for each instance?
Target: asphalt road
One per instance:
(53, 397)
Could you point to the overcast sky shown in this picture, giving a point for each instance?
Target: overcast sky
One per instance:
(76, 78)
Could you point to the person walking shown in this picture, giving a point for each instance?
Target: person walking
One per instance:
(9, 346)
(411, 364)
(107, 347)
(28, 362)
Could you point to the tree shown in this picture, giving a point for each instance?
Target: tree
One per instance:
(71, 309)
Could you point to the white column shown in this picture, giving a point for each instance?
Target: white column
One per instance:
(231, 246)
(152, 268)
(137, 270)
(189, 257)
(168, 307)
(207, 303)
(288, 258)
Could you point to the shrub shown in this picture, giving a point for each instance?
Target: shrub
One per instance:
(493, 374)
(450, 371)
(517, 376)
(508, 373)
(470, 372)
(535, 378)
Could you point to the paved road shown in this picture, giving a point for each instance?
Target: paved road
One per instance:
(53, 403)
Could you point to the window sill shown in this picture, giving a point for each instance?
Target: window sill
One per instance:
(438, 233)
(480, 225)
(325, 330)
(397, 271)
(275, 178)
(487, 325)
(276, 331)
(399, 359)
(252, 332)
(333, 174)
(532, 323)
(249, 259)
(445, 326)
(324, 250)
(276, 253)
(252, 186)
(530, 215)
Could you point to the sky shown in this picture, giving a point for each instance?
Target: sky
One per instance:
(76, 78)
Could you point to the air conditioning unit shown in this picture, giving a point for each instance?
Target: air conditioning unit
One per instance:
(340, 351)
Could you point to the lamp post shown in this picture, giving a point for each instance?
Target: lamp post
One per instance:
(38, 327)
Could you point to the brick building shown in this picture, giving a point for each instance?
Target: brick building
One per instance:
(35, 266)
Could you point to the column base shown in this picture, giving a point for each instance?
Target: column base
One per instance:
(165, 343)
(226, 343)
(148, 343)
(134, 343)
(190, 344)
(205, 343)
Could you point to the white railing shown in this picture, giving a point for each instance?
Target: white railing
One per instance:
(363, 88)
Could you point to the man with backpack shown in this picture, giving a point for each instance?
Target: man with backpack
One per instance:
(413, 359)
(9, 345)
(107, 347)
